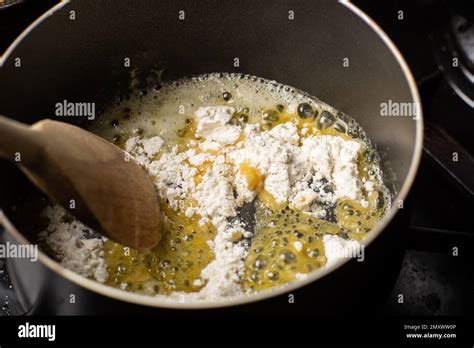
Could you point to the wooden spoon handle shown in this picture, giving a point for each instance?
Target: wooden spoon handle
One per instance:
(18, 142)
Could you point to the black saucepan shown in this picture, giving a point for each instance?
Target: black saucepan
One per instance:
(78, 51)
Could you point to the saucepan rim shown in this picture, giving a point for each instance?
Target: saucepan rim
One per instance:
(164, 302)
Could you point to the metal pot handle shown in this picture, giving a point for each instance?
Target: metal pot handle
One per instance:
(446, 152)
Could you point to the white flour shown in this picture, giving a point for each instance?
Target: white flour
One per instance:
(305, 172)
(213, 124)
(67, 241)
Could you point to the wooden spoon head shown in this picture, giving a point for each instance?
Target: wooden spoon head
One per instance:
(98, 183)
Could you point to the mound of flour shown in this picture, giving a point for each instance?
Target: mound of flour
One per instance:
(74, 246)
(308, 173)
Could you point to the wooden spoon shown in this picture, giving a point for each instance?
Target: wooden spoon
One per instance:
(93, 179)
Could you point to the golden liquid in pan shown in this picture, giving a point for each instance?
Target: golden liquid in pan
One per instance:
(178, 260)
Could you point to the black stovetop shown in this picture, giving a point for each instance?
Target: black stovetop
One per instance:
(432, 280)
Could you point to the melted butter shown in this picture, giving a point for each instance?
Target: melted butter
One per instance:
(269, 201)
(289, 242)
(286, 242)
(252, 176)
(173, 265)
